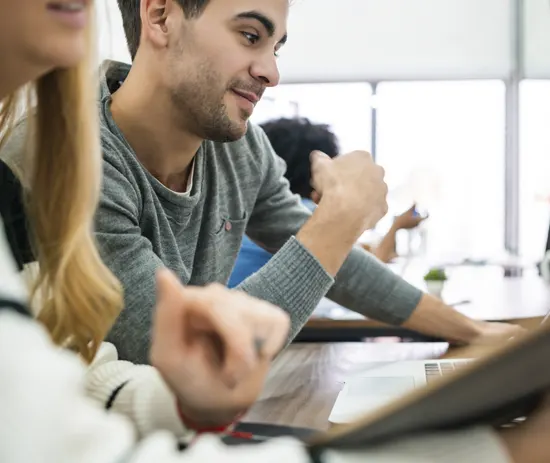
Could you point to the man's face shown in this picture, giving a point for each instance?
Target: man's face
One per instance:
(221, 62)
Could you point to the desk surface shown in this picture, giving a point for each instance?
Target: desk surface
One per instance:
(306, 379)
(492, 296)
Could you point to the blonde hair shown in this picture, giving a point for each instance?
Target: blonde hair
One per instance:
(79, 297)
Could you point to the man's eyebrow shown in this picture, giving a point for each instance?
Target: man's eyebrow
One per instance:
(264, 20)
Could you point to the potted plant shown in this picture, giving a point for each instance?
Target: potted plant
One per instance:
(435, 280)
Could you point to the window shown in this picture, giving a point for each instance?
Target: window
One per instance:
(442, 145)
(534, 167)
(346, 107)
(112, 41)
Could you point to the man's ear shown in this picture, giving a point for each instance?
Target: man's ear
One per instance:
(154, 20)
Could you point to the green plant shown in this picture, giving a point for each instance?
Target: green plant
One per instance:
(435, 274)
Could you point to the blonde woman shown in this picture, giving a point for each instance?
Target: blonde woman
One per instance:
(44, 56)
(46, 415)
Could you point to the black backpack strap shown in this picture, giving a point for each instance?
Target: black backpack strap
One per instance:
(12, 210)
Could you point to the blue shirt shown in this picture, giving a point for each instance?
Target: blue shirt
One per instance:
(252, 257)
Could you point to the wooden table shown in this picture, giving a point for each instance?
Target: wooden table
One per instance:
(306, 379)
(492, 296)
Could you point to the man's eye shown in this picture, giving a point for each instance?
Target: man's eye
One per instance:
(252, 38)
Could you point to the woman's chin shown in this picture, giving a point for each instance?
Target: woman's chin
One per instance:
(63, 53)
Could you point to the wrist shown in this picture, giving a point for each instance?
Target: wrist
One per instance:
(457, 327)
(434, 317)
(472, 330)
(466, 331)
(204, 423)
(395, 227)
(343, 212)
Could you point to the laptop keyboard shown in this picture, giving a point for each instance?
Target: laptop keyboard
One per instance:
(435, 370)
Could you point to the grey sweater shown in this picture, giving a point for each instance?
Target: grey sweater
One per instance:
(238, 187)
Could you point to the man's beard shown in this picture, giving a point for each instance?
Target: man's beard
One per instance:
(200, 102)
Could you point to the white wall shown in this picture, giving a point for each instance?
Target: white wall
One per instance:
(397, 39)
(390, 39)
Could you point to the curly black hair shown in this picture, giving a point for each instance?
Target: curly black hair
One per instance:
(293, 140)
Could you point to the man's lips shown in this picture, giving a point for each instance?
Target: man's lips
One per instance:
(250, 96)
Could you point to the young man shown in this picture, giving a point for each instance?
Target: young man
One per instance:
(185, 176)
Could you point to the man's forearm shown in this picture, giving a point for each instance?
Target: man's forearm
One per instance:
(330, 234)
(368, 287)
(434, 318)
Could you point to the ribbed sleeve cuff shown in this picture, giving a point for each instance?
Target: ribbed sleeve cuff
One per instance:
(400, 303)
(367, 286)
(103, 380)
(153, 406)
(141, 395)
(294, 280)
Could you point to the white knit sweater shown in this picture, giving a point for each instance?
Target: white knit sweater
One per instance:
(52, 410)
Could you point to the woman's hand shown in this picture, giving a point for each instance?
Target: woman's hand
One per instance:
(214, 347)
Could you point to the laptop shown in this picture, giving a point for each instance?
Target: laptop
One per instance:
(380, 383)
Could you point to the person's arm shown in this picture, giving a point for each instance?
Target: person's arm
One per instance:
(292, 278)
(385, 251)
(362, 284)
(309, 248)
(367, 286)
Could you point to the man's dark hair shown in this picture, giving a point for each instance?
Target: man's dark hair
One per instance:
(294, 140)
(131, 18)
